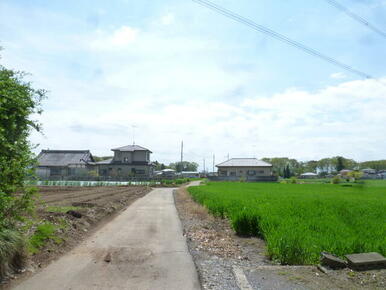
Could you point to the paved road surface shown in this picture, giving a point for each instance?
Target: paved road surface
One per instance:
(146, 248)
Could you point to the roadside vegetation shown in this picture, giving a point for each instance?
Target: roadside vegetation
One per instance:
(44, 232)
(18, 101)
(299, 221)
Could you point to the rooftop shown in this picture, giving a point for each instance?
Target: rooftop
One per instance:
(244, 162)
(309, 174)
(64, 157)
(131, 148)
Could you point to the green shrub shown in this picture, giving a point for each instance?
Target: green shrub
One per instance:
(293, 180)
(335, 180)
(12, 251)
(43, 233)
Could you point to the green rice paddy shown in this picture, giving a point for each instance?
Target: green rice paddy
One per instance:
(298, 221)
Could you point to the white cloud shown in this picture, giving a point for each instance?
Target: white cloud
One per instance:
(167, 19)
(338, 76)
(118, 39)
(347, 119)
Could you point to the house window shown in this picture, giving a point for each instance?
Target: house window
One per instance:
(261, 171)
(119, 171)
(126, 160)
(232, 173)
(140, 171)
(55, 171)
(251, 172)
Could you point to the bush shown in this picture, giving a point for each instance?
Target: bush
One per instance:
(12, 251)
(18, 101)
(294, 180)
(335, 180)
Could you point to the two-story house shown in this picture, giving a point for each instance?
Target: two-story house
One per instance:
(128, 161)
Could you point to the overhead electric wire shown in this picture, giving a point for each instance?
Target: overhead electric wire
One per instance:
(279, 36)
(356, 17)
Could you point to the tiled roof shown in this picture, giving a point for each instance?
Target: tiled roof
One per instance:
(64, 157)
(244, 162)
(131, 148)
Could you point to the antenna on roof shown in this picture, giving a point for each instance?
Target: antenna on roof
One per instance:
(133, 127)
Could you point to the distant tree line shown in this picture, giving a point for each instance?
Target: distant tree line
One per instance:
(287, 167)
(101, 158)
(177, 166)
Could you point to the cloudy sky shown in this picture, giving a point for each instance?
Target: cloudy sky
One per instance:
(174, 70)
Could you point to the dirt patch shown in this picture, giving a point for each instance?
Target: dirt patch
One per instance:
(216, 250)
(96, 206)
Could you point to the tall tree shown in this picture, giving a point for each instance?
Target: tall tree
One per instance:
(339, 163)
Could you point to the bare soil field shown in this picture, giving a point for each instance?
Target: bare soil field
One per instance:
(219, 253)
(93, 206)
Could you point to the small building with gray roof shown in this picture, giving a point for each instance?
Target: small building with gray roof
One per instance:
(249, 169)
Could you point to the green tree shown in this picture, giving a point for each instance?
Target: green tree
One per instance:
(355, 174)
(18, 102)
(375, 164)
(158, 166)
(184, 166)
(339, 163)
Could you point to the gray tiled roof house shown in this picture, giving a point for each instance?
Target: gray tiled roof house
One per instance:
(249, 169)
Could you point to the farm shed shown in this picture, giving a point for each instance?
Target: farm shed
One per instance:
(250, 169)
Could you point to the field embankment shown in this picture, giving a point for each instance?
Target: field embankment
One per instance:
(298, 221)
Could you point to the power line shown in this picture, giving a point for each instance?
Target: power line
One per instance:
(356, 17)
(280, 37)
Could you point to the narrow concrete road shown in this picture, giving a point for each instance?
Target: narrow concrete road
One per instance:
(143, 248)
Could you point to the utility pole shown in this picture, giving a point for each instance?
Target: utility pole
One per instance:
(204, 165)
(213, 164)
(133, 127)
(182, 154)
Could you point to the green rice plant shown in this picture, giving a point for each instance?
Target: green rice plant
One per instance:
(298, 221)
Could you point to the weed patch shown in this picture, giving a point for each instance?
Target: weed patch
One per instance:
(43, 233)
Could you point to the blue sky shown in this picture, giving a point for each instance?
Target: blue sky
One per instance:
(177, 70)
